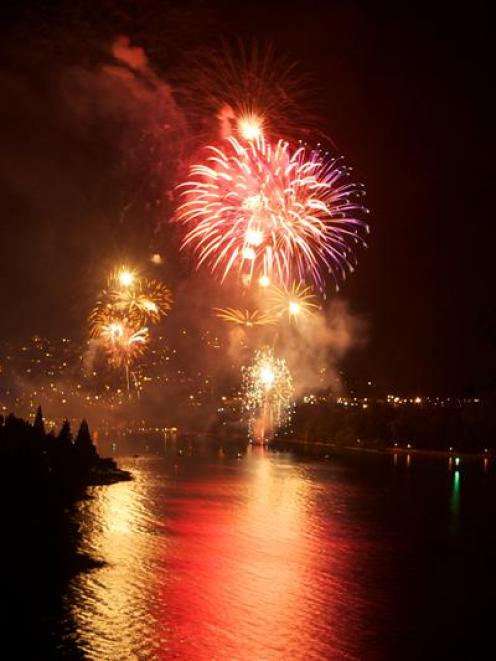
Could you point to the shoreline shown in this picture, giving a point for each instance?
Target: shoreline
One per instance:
(363, 449)
(107, 476)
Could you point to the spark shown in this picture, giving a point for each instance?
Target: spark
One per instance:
(126, 277)
(268, 391)
(298, 300)
(148, 300)
(270, 210)
(294, 308)
(245, 317)
(249, 253)
(267, 376)
(139, 299)
(254, 237)
(119, 321)
(123, 341)
(150, 306)
(250, 127)
(246, 92)
(264, 281)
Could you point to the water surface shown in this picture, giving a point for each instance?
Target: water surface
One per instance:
(274, 556)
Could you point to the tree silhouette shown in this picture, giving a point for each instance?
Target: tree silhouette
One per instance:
(39, 425)
(65, 434)
(85, 449)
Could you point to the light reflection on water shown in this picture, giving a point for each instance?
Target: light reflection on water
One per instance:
(110, 612)
(260, 557)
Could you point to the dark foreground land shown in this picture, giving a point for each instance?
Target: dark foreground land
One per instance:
(42, 476)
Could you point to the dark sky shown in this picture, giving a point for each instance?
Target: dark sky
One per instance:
(404, 96)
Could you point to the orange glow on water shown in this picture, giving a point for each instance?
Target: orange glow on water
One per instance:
(248, 577)
(227, 561)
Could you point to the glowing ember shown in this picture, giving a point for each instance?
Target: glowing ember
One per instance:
(264, 281)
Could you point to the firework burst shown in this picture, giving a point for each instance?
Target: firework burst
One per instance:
(268, 392)
(123, 277)
(245, 318)
(148, 300)
(268, 211)
(122, 339)
(124, 308)
(295, 302)
(137, 299)
(247, 91)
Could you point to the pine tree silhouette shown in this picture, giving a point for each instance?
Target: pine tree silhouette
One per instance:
(85, 450)
(39, 425)
(65, 433)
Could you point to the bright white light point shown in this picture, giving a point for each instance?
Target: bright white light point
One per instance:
(267, 376)
(294, 307)
(264, 281)
(253, 202)
(254, 237)
(126, 278)
(116, 330)
(250, 127)
(249, 253)
(150, 306)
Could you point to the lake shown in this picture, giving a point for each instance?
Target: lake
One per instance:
(278, 555)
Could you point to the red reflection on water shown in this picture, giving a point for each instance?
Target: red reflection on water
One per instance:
(251, 572)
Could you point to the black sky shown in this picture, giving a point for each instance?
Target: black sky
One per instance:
(405, 95)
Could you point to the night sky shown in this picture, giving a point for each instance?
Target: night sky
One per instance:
(85, 169)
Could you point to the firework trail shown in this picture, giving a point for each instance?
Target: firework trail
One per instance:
(268, 211)
(246, 92)
(268, 392)
(245, 318)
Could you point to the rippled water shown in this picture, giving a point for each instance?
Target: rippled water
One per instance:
(268, 556)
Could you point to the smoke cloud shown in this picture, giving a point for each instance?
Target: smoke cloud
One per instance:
(314, 347)
(105, 142)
